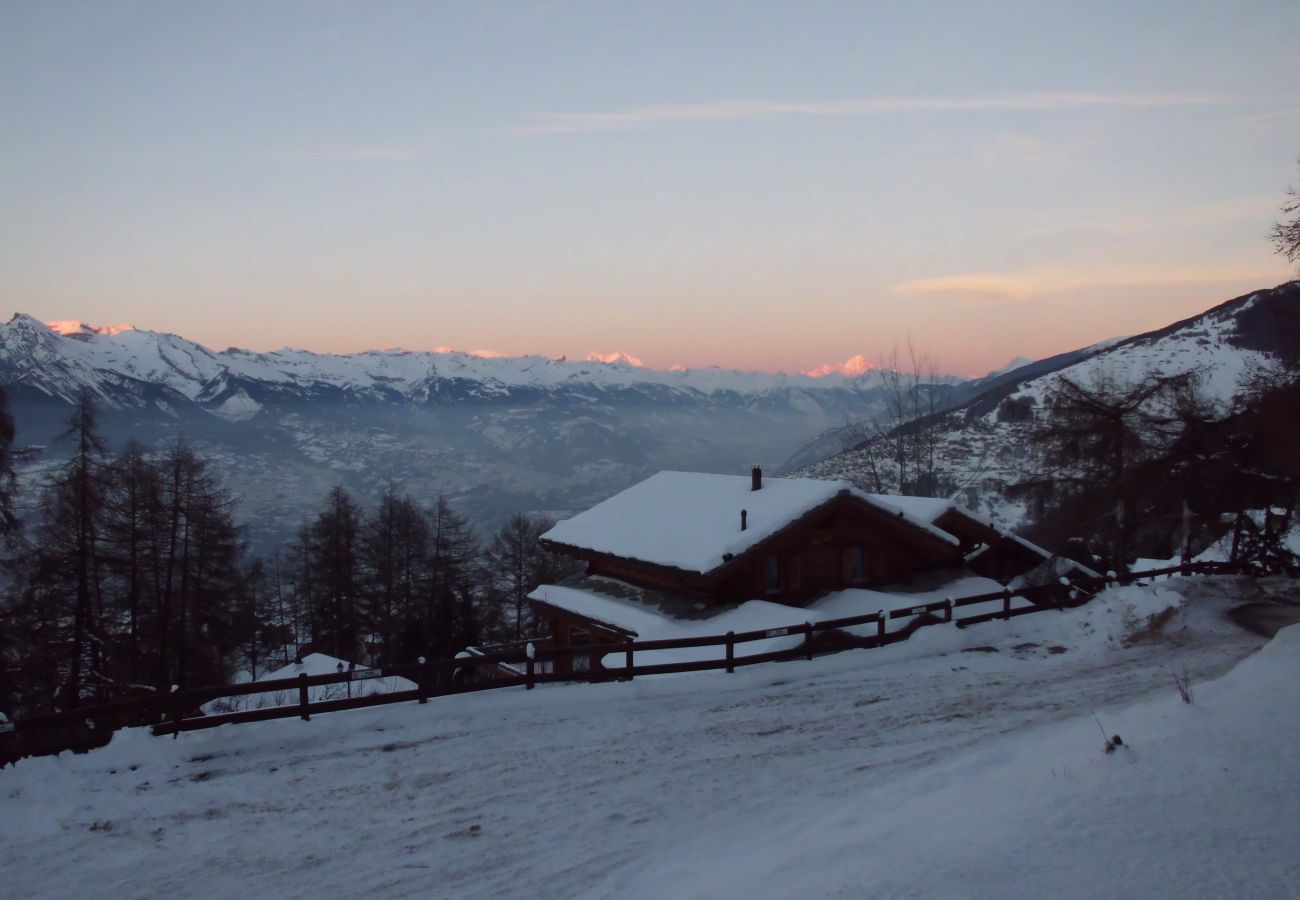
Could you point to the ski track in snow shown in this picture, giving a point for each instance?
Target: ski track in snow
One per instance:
(701, 784)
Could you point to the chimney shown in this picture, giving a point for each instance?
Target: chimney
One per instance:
(756, 479)
(744, 519)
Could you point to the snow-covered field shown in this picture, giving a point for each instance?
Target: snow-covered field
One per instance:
(955, 764)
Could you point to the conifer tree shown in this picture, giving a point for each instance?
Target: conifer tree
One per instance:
(394, 550)
(452, 616)
(516, 564)
(333, 555)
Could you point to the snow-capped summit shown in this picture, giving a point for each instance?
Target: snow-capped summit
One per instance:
(68, 327)
(1009, 367)
(617, 356)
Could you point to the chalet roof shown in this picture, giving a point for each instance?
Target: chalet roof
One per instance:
(691, 520)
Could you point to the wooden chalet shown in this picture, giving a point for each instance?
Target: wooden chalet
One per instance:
(681, 546)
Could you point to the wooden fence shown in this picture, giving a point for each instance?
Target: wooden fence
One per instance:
(526, 666)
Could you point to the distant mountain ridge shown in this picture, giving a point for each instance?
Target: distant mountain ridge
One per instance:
(116, 363)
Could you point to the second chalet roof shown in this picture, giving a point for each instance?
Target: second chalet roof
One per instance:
(691, 520)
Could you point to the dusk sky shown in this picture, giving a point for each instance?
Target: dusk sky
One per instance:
(767, 186)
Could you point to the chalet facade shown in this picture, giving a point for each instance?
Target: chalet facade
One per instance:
(682, 547)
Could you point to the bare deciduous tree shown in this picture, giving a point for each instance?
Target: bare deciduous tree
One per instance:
(1286, 235)
(901, 452)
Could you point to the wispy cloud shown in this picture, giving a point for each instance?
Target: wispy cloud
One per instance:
(1027, 150)
(744, 110)
(359, 154)
(1010, 288)
(1261, 208)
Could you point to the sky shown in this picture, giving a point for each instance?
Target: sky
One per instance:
(752, 185)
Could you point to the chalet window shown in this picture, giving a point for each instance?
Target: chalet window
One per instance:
(855, 565)
(579, 637)
(772, 574)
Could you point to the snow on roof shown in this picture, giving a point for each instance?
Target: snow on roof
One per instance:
(931, 509)
(616, 612)
(691, 520)
(647, 624)
(927, 509)
(312, 664)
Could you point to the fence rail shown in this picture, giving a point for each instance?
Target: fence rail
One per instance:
(87, 727)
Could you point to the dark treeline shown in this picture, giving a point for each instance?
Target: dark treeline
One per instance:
(1149, 468)
(134, 577)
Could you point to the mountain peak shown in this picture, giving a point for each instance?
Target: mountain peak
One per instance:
(618, 356)
(67, 327)
(850, 368)
(1014, 364)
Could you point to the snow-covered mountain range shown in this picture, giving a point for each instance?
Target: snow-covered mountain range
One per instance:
(497, 434)
(130, 367)
(983, 446)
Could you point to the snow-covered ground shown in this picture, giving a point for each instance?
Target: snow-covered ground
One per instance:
(959, 763)
(311, 664)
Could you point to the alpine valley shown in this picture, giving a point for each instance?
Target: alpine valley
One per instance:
(498, 435)
(495, 435)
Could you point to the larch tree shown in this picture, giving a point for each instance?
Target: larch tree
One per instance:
(452, 616)
(516, 564)
(394, 550)
(334, 576)
(1286, 233)
(1092, 437)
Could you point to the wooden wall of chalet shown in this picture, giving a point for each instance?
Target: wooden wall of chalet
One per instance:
(1005, 560)
(567, 631)
(814, 558)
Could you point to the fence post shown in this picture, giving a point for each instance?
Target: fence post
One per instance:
(947, 609)
(628, 649)
(807, 637)
(422, 679)
(1006, 603)
(880, 628)
(176, 712)
(731, 652)
(530, 651)
(303, 700)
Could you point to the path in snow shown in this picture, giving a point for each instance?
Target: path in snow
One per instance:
(572, 789)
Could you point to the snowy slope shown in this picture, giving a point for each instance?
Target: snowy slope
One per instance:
(971, 768)
(981, 450)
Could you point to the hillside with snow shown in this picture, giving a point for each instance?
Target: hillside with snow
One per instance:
(982, 446)
(957, 764)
